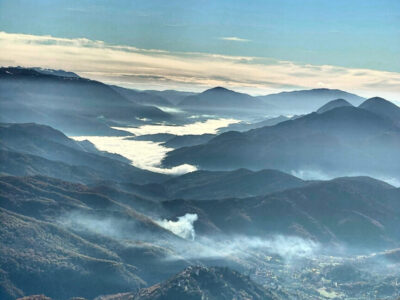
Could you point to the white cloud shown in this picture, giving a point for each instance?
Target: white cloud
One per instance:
(148, 155)
(234, 39)
(158, 69)
(142, 154)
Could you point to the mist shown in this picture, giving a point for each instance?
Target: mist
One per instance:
(142, 154)
(148, 154)
(192, 246)
(289, 248)
(313, 174)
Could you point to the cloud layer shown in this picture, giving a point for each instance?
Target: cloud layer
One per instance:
(209, 126)
(142, 154)
(147, 154)
(157, 69)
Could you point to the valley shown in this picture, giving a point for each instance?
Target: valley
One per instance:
(176, 202)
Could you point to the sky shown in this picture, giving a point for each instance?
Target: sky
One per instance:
(253, 46)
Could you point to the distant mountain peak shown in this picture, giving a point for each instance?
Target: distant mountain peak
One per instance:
(333, 104)
(218, 89)
(382, 107)
(376, 100)
(326, 90)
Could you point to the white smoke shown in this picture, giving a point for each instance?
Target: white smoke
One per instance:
(202, 247)
(183, 227)
(79, 221)
(222, 247)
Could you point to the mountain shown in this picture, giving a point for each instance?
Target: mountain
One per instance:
(60, 73)
(74, 240)
(21, 164)
(234, 184)
(383, 108)
(141, 97)
(188, 140)
(344, 140)
(64, 240)
(333, 104)
(174, 97)
(360, 214)
(76, 105)
(221, 100)
(196, 282)
(39, 148)
(305, 101)
(248, 126)
(207, 185)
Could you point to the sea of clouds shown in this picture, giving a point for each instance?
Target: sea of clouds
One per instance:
(147, 154)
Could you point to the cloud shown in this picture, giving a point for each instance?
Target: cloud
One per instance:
(158, 69)
(234, 39)
(148, 155)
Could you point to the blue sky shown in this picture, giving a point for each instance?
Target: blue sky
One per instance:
(351, 33)
(357, 34)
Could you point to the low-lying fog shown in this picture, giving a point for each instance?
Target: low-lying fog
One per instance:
(208, 126)
(142, 154)
(147, 154)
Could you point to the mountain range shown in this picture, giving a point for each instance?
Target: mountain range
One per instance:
(343, 140)
(52, 230)
(79, 222)
(105, 242)
(195, 282)
(305, 101)
(223, 101)
(75, 105)
(31, 149)
(358, 213)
